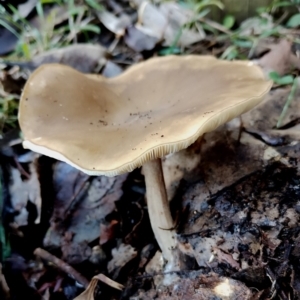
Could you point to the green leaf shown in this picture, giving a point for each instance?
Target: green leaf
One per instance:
(230, 53)
(262, 9)
(294, 21)
(243, 43)
(169, 51)
(228, 21)
(285, 80)
(205, 3)
(173, 49)
(73, 11)
(281, 80)
(90, 27)
(290, 99)
(93, 4)
(203, 13)
(274, 75)
(10, 28)
(51, 2)
(40, 11)
(282, 4)
(271, 32)
(26, 50)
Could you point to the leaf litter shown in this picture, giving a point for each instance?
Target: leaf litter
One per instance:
(280, 58)
(86, 58)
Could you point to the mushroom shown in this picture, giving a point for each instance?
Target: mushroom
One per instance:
(111, 126)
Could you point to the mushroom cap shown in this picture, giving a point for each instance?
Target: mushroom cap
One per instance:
(111, 126)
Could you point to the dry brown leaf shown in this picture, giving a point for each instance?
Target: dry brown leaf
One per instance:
(107, 231)
(280, 59)
(88, 294)
(226, 257)
(265, 116)
(219, 245)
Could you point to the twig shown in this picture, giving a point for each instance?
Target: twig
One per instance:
(70, 204)
(21, 169)
(179, 272)
(281, 19)
(114, 44)
(62, 266)
(216, 25)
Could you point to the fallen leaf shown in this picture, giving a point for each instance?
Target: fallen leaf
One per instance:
(81, 205)
(256, 25)
(24, 9)
(226, 257)
(156, 263)
(166, 22)
(138, 40)
(272, 107)
(85, 58)
(154, 267)
(25, 192)
(294, 21)
(111, 70)
(117, 25)
(74, 253)
(107, 231)
(120, 257)
(279, 59)
(88, 294)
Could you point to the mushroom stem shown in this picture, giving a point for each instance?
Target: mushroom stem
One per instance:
(159, 211)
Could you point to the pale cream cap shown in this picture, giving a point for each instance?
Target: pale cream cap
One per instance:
(111, 126)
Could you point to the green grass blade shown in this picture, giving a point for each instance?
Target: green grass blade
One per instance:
(288, 102)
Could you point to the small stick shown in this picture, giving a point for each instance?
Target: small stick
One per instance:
(62, 266)
(21, 169)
